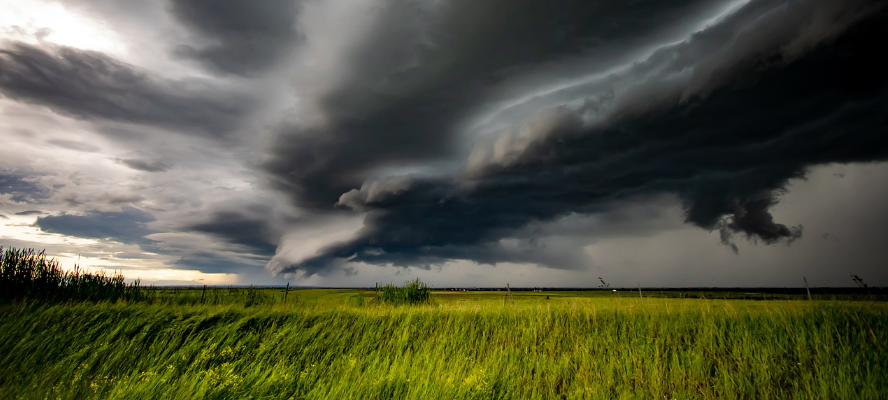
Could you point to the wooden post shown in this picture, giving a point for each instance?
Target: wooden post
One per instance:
(806, 288)
(639, 291)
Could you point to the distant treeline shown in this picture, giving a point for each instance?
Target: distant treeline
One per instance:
(27, 274)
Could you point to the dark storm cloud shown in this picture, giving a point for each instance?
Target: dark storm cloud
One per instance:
(253, 232)
(30, 212)
(411, 78)
(726, 153)
(127, 226)
(238, 37)
(144, 165)
(92, 85)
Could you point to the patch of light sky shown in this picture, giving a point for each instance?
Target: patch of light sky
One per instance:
(140, 42)
(34, 22)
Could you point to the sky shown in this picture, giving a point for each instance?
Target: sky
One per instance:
(468, 143)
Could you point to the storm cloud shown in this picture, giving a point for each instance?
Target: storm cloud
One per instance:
(126, 226)
(242, 38)
(723, 120)
(255, 233)
(343, 142)
(391, 87)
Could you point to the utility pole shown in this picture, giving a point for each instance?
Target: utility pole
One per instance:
(806, 288)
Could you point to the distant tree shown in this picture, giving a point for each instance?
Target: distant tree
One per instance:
(859, 281)
(603, 285)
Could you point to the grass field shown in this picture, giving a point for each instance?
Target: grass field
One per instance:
(338, 344)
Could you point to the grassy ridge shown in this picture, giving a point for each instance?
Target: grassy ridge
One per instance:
(572, 348)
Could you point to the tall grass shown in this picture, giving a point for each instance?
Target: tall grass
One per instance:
(28, 274)
(413, 292)
(585, 349)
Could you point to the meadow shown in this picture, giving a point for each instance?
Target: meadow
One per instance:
(80, 335)
(240, 343)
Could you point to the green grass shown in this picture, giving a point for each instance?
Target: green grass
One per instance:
(325, 344)
(412, 293)
(28, 274)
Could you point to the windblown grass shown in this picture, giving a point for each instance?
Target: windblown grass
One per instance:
(412, 293)
(233, 343)
(573, 349)
(28, 274)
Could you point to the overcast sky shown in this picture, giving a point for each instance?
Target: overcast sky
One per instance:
(464, 142)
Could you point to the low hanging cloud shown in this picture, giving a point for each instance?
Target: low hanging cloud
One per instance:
(722, 120)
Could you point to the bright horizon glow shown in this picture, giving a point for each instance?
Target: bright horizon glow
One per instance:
(148, 270)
